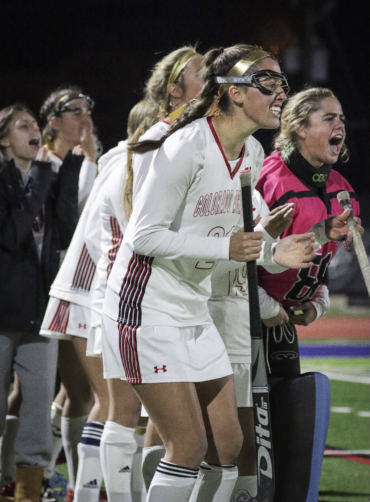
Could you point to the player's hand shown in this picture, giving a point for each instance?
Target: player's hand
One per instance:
(278, 320)
(43, 154)
(245, 246)
(88, 143)
(308, 316)
(77, 150)
(336, 227)
(360, 228)
(296, 251)
(278, 220)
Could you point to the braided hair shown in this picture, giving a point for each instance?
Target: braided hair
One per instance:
(217, 62)
(141, 118)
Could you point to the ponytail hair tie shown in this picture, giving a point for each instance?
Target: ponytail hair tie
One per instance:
(220, 51)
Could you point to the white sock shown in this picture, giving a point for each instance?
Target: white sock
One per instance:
(89, 474)
(57, 441)
(137, 482)
(8, 467)
(172, 483)
(117, 450)
(152, 455)
(245, 489)
(71, 433)
(215, 483)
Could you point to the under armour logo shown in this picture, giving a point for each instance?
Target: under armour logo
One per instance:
(84, 326)
(156, 369)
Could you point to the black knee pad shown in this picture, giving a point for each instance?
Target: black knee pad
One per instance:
(281, 351)
(300, 409)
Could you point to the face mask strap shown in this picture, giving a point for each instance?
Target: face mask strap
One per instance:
(62, 103)
(241, 67)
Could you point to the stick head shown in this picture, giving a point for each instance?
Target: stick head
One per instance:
(246, 177)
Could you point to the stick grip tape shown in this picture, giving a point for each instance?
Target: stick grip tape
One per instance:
(345, 202)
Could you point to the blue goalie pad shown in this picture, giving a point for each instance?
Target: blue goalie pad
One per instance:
(300, 410)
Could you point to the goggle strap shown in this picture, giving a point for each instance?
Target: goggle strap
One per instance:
(241, 67)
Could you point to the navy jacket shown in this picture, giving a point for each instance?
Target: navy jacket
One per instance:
(25, 280)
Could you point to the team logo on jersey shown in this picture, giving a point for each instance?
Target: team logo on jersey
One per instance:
(84, 326)
(218, 203)
(319, 177)
(164, 369)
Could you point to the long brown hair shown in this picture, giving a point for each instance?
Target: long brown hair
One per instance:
(216, 63)
(6, 116)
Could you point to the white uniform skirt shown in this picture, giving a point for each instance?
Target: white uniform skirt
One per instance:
(157, 354)
(94, 347)
(64, 319)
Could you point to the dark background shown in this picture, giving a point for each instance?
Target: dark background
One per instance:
(108, 47)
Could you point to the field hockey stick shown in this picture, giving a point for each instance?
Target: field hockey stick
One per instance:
(345, 202)
(261, 404)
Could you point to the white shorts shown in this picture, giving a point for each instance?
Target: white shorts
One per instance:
(157, 354)
(243, 384)
(94, 346)
(64, 319)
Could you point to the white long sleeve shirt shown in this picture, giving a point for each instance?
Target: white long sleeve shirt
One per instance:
(184, 215)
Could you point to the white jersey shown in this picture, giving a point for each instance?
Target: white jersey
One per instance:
(229, 305)
(114, 222)
(141, 163)
(86, 179)
(74, 282)
(184, 215)
(113, 226)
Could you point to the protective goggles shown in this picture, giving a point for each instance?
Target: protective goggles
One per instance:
(62, 104)
(266, 81)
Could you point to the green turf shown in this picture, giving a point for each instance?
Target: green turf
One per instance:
(62, 469)
(338, 365)
(343, 480)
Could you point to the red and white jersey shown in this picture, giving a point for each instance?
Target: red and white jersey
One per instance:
(74, 281)
(141, 163)
(86, 179)
(183, 217)
(113, 226)
(229, 304)
(113, 220)
(278, 185)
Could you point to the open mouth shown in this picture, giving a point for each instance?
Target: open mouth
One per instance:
(336, 144)
(35, 143)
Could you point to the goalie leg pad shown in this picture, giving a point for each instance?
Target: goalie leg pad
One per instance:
(300, 409)
(281, 351)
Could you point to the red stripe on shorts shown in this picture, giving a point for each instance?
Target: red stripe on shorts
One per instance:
(128, 351)
(61, 318)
